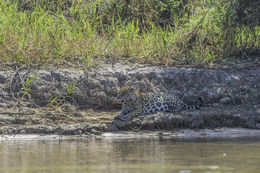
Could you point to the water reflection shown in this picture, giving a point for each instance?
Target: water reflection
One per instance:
(129, 155)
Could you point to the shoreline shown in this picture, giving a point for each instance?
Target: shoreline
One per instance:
(221, 133)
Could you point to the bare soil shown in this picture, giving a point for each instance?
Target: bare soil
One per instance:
(231, 99)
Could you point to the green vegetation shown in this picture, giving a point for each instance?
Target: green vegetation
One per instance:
(58, 100)
(153, 31)
(25, 90)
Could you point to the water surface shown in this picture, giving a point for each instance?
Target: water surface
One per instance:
(130, 155)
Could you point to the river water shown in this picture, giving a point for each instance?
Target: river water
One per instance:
(130, 155)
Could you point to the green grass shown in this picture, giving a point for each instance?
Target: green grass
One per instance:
(159, 32)
(58, 100)
(25, 91)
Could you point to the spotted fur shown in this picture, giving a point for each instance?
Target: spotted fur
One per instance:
(136, 103)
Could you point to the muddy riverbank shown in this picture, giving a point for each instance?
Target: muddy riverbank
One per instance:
(76, 101)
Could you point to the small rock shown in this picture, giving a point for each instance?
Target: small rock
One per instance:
(193, 114)
(197, 123)
(225, 100)
(95, 132)
(79, 131)
(212, 97)
(119, 124)
(251, 123)
(22, 131)
(77, 114)
(112, 128)
(2, 78)
(103, 127)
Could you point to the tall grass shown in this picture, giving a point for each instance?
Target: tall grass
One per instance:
(164, 32)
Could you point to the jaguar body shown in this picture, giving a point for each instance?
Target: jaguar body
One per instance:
(136, 103)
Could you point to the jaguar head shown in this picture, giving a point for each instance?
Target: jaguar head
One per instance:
(125, 93)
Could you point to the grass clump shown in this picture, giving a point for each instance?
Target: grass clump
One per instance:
(154, 31)
(58, 100)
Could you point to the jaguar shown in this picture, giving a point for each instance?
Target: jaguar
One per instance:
(136, 103)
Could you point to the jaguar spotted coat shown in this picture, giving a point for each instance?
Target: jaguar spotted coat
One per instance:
(136, 103)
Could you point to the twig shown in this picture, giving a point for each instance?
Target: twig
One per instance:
(201, 20)
(22, 84)
(11, 89)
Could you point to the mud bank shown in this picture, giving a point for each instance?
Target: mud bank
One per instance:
(75, 101)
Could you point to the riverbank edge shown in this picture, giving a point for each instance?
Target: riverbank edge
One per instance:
(220, 133)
